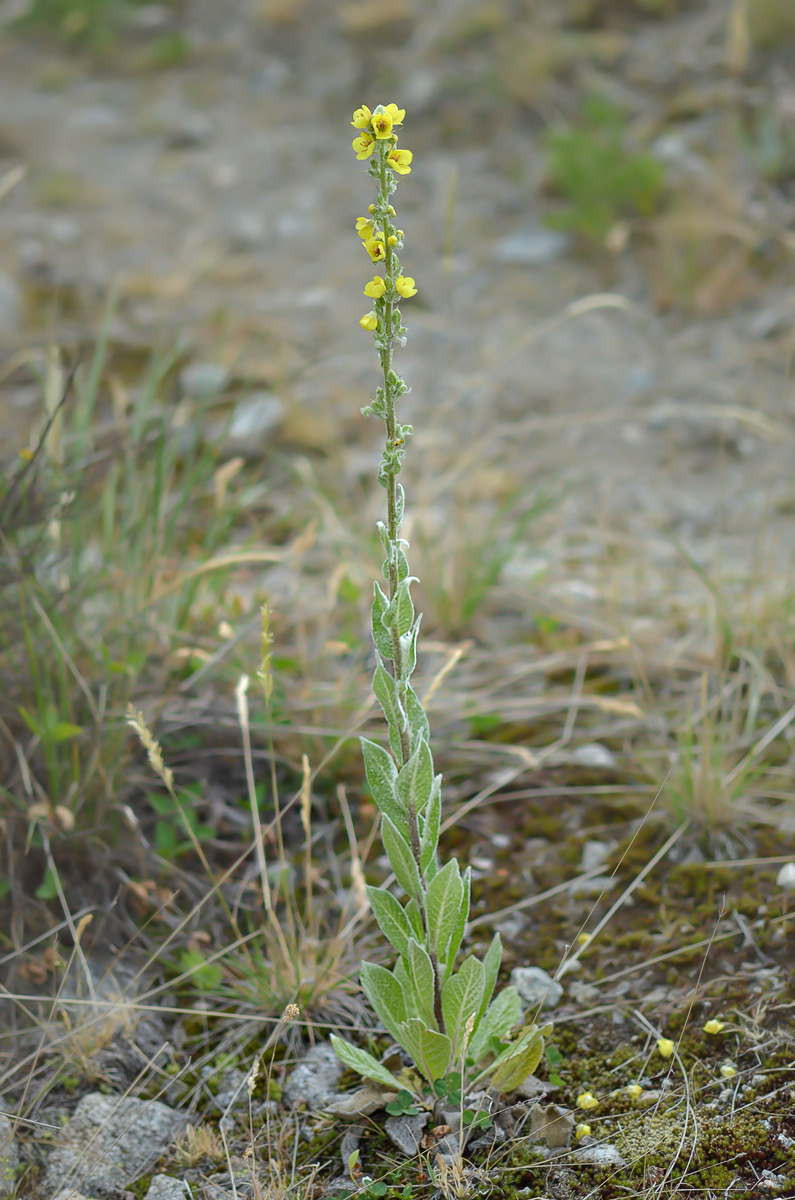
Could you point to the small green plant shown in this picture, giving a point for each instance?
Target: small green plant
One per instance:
(445, 1018)
(175, 820)
(602, 181)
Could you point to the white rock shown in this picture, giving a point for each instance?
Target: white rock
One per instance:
(163, 1187)
(199, 380)
(536, 986)
(315, 1078)
(786, 877)
(594, 754)
(109, 1142)
(606, 1155)
(595, 854)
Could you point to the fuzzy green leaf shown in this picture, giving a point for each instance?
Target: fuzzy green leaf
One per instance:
(415, 779)
(491, 965)
(391, 917)
(461, 999)
(381, 636)
(443, 902)
(418, 722)
(401, 973)
(381, 774)
(457, 935)
(423, 977)
(501, 1017)
(431, 1051)
(401, 859)
(363, 1063)
(517, 1062)
(408, 651)
(414, 915)
(429, 842)
(386, 693)
(385, 995)
(400, 613)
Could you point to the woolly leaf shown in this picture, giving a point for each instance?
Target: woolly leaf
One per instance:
(430, 1050)
(386, 693)
(401, 859)
(385, 995)
(501, 1017)
(363, 1063)
(491, 965)
(381, 636)
(415, 779)
(381, 774)
(457, 936)
(400, 613)
(517, 1062)
(418, 722)
(461, 999)
(423, 978)
(391, 917)
(429, 841)
(414, 915)
(443, 902)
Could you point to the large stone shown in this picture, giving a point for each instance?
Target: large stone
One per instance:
(406, 1132)
(314, 1080)
(536, 987)
(109, 1143)
(9, 1158)
(164, 1187)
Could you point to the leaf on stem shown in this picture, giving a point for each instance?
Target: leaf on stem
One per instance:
(386, 996)
(461, 998)
(401, 859)
(423, 981)
(381, 774)
(443, 904)
(415, 779)
(363, 1063)
(391, 918)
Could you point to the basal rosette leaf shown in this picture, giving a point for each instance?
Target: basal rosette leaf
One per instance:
(500, 1019)
(432, 1051)
(462, 995)
(363, 1063)
(385, 995)
(422, 976)
(515, 1063)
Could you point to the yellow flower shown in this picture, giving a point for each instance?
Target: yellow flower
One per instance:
(634, 1090)
(713, 1026)
(375, 288)
(582, 1131)
(728, 1070)
(397, 114)
(393, 241)
(365, 227)
(399, 161)
(404, 286)
(363, 145)
(587, 1100)
(382, 125)
(666, 1047)
(584, 938)
(362, 117)
(369, 321)
(375, 247)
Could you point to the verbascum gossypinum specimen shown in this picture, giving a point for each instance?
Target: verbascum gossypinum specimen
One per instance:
(445, 1018)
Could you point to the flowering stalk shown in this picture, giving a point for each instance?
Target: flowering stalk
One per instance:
(441, 1016)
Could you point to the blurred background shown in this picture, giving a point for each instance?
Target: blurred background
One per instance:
(601, 222)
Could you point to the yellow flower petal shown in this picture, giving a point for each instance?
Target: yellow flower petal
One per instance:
(404, 286)
(666, 1047)
(382, 125)
(728, 1070)
(363, 145)
(582, 1131)
(587, 1100)
(375, 288)
(397, 114)
(375, 248)
(713, 1026)
(369, 321)
(634, 1090)
(362, 117)
(365, 227)
(400, 160)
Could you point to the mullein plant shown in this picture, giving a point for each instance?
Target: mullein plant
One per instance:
(445, 1018)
